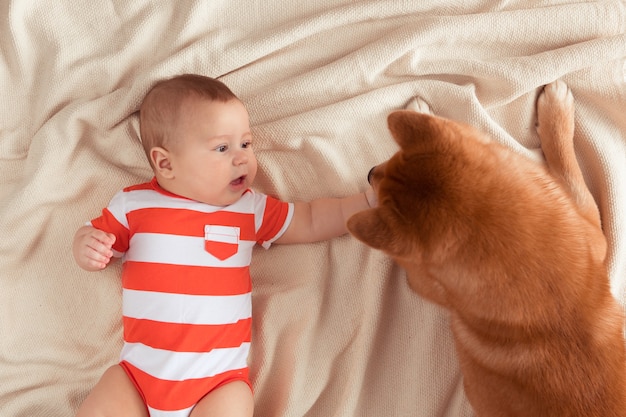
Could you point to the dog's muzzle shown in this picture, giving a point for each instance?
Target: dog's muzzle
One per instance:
(369, 175)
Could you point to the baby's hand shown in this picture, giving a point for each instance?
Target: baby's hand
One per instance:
(92, 248)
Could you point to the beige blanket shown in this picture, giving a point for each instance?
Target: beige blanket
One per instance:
(336, 331)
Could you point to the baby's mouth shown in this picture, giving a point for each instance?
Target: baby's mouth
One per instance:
(238, 181)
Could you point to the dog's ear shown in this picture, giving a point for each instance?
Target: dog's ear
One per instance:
(410, 128)
(372, 228)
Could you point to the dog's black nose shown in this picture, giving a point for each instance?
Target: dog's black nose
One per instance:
(369, 175)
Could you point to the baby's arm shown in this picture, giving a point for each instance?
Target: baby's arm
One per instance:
(324, 218)
(92, 248)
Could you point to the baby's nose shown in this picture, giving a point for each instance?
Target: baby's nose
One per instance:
(240, 158)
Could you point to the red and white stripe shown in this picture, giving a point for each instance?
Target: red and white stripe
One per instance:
(186, 289)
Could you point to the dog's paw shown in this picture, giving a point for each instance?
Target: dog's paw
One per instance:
(556, 94)
(418, 105)
(555, 109)
(555, 102)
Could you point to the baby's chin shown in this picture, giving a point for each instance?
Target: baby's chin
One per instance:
(230, 198)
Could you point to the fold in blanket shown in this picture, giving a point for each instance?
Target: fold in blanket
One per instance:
(336, 329)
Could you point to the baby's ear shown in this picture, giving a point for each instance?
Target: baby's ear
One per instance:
(161, 161)
(371, 228)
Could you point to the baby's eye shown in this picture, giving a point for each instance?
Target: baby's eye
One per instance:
(247, 144)
(222, 148)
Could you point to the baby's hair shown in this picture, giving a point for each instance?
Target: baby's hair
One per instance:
(159, 111)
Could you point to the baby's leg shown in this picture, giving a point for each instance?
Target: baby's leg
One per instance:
(230, 400)
(113, 396)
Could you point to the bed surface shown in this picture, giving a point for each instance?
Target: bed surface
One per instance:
(336, 330)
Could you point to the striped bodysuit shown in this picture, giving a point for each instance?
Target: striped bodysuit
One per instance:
(187, 289)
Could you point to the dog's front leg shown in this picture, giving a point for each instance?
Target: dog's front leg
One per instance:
(555, 116)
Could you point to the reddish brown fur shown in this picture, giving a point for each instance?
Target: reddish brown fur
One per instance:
(515, 251)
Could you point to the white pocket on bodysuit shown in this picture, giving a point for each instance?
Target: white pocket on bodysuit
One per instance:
(221, 241)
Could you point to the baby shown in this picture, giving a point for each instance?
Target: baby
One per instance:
(187, 239)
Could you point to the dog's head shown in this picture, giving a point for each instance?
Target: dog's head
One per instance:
(427, 191)
(442, 198)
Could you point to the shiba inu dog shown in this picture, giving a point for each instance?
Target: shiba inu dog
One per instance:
(515, 251)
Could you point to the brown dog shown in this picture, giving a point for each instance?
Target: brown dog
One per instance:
(515, 251)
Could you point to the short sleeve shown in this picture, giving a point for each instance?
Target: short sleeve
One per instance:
(272, 218)
(113, 220)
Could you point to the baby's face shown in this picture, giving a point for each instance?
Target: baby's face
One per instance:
(213, 161)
